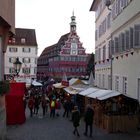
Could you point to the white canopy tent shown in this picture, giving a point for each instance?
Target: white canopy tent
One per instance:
(88, 91)
(58, 85)
(101, 94)
(70, 90)
(35, 83)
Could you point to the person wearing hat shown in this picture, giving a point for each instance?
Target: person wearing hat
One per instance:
(76, 119)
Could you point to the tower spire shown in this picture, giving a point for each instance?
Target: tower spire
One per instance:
(73, 23)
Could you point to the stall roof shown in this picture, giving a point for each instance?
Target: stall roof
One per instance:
(58, 85)
(80, 87)
(88, 91)
(101, 94)
(70, 90)
(35, 83)
(74, 81)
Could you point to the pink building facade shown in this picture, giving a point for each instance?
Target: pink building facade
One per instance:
(67, 56)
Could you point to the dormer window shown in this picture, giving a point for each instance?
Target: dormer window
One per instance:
(23, 40)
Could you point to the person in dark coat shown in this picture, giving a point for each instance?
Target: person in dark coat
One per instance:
(76, 119)
(66, 106)
(88, 118)
(31, 105)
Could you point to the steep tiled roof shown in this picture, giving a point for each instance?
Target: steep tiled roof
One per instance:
(61, 41)
(28, 34)
(63, 38)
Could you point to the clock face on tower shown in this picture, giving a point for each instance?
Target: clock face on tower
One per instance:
(73, 51)
(73, 46)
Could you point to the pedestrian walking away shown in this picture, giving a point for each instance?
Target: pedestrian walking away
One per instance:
(31, 105)
(44, 104)
(52, 108)
(76, 120)
(88, 118)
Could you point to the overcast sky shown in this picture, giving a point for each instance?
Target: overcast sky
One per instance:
(51, 18)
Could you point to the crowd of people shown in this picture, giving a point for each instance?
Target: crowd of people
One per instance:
(52, 102)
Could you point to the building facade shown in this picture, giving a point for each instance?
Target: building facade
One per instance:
(67, 56)
(124, 45)
(7, 25)
(102, 44)
(24, 46)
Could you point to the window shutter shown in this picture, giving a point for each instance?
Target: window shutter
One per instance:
(112, 47)
(116, 45)
(137, 36)
(127, 38)
(131, 37)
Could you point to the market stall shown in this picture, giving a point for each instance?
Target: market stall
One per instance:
(114, 112)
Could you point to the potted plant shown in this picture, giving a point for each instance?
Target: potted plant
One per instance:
(4, 87)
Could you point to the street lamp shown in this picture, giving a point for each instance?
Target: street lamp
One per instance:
(108, 3)
(17, 65)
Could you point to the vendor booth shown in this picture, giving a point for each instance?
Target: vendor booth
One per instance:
(114, 112)
(14, 104)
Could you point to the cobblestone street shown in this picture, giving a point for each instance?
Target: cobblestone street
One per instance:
(58, 128)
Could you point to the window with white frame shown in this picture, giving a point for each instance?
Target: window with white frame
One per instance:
(12, 59)
(26, 50)
(117, 83)
(26, 70)
(11, 70)
(13, 49)
(23, 40)
(124, 85)
(26, 60)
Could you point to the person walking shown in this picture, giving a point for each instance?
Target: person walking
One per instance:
(88, 118)
(31, 105)
(58, 107)
(66, 106)
(36, 104)
(52, 108)
(76, 120)
(44, 104)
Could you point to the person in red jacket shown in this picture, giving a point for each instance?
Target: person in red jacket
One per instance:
(31, 105)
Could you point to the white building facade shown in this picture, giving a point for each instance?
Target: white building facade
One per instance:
(124, 46)
(102, 44)
(23, 46)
